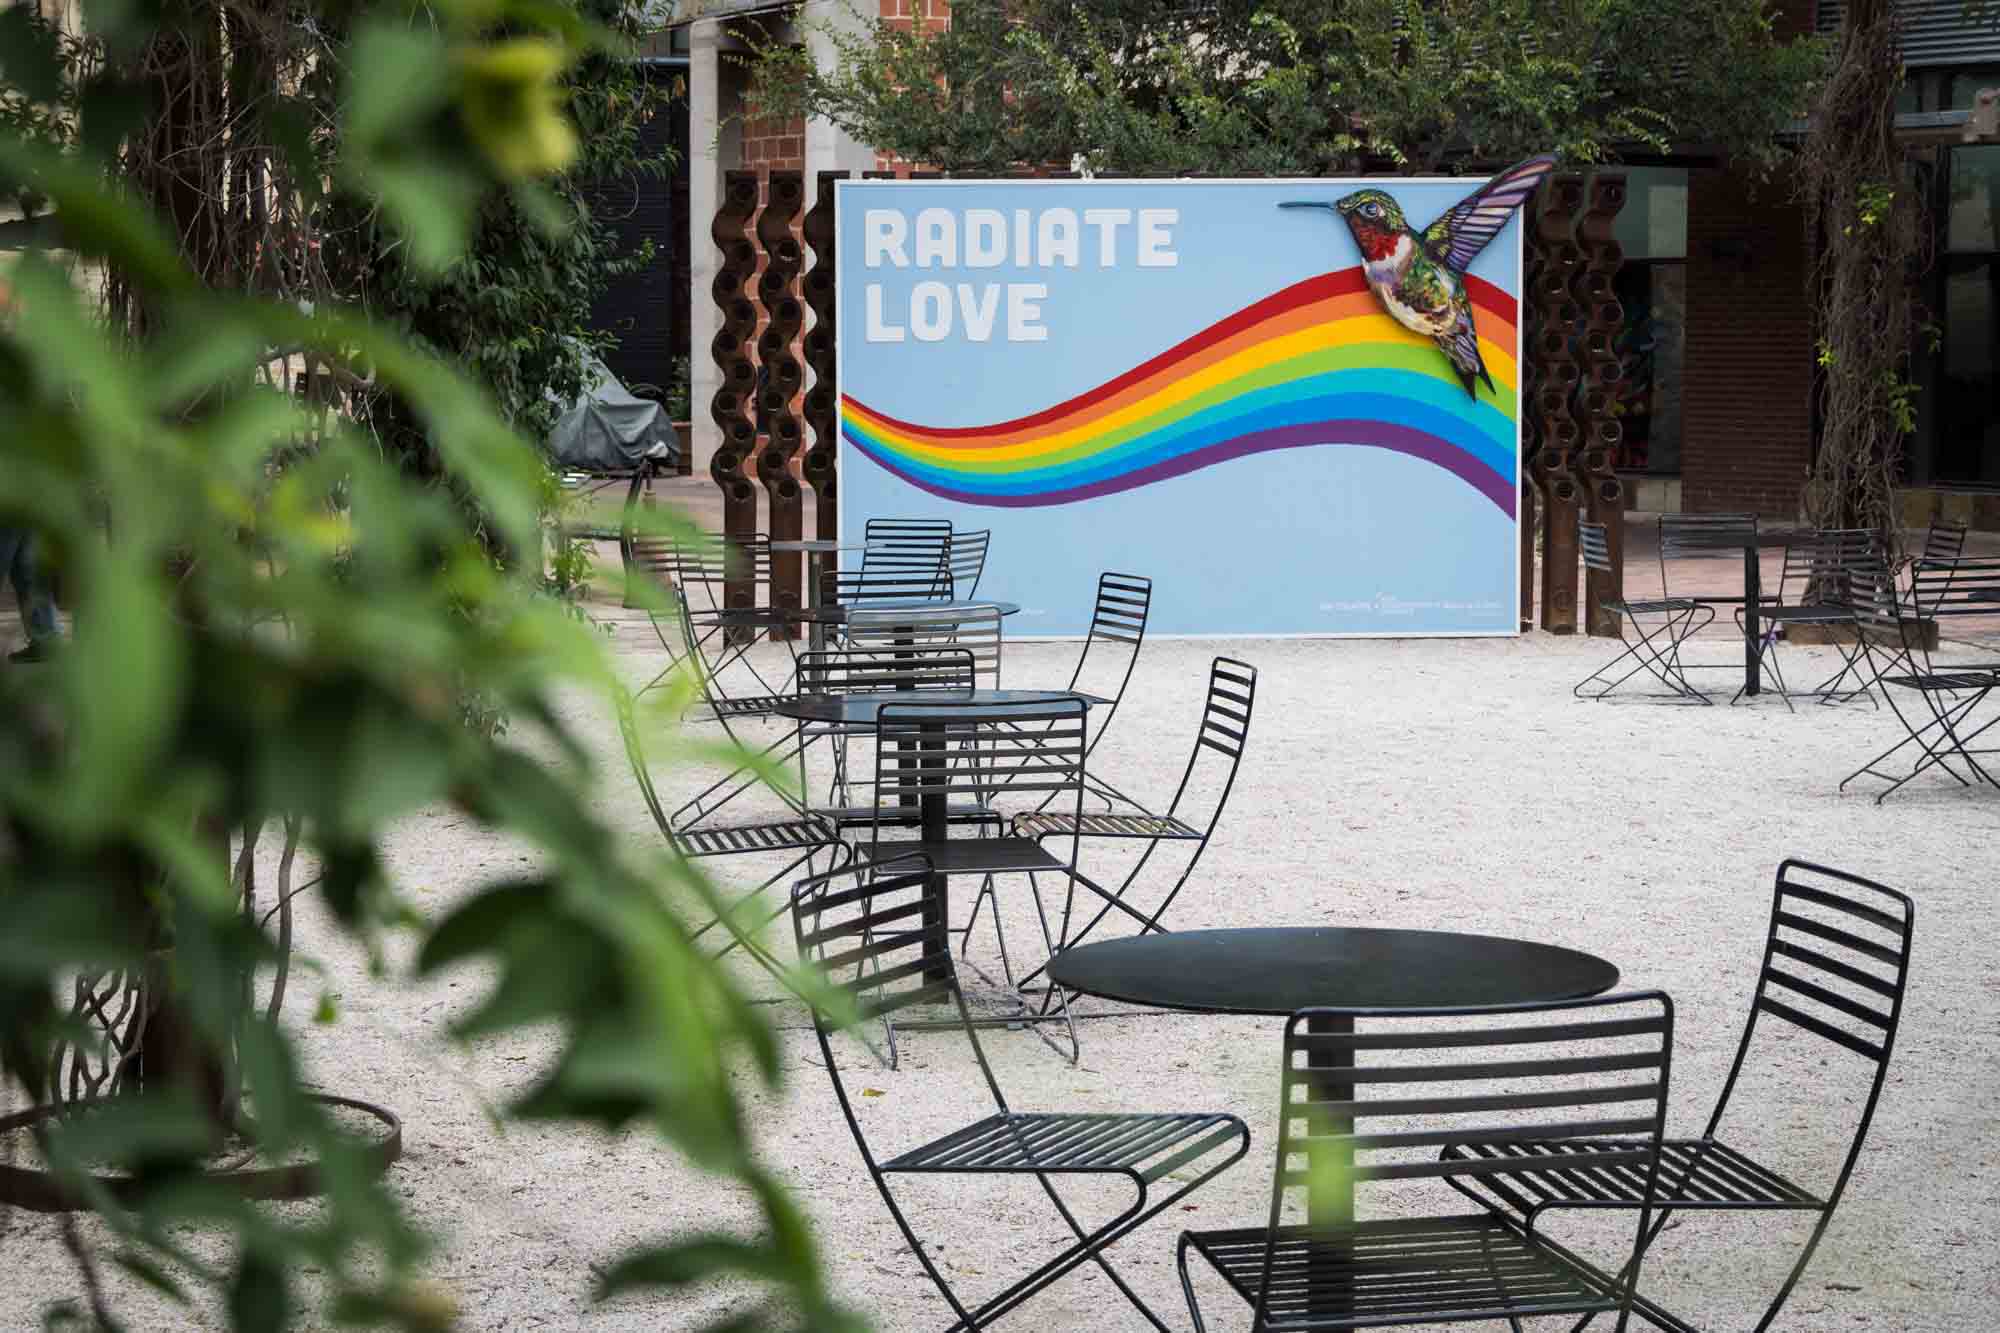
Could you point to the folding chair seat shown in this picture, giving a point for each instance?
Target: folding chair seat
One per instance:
(1682, 619)
(1209, 778)
(1411, 1272)
(1042, 824)
(868, 935)
(1835, 964)
(1367, 1096)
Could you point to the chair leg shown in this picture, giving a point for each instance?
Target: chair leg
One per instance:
(1062, 999)
(972, 917)
(1187, 1285)
(1798, 1270)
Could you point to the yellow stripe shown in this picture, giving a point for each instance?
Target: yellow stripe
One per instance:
(1340, 333)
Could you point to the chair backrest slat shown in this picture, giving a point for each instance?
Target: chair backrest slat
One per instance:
(1701, 536)
(1837, 958)
(1118, 619)
(871, 933)
(952, 748)
(1596, 545)
(1944, 541)
(857, 671)
(1968, 586)
(965, 559)
(978, 630)
(1546, 1078)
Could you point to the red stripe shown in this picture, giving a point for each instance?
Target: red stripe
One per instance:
(1325, 287)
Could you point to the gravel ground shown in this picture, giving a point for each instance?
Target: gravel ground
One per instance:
(1414, 783)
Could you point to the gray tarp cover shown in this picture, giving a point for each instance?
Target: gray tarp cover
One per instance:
(611, 429)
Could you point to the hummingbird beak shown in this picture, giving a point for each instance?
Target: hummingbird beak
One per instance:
(1307, 203)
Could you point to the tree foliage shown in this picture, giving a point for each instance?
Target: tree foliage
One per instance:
(275, 619)
(1311, 87)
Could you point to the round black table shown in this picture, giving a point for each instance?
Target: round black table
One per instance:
(1279, 970)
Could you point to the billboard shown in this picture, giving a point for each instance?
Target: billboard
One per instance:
(1219, 384)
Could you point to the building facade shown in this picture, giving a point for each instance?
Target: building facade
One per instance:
(1719, 343)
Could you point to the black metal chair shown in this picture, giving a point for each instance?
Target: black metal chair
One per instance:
(1118, 617)
(1818, 588)
(950, 753)
(1944, 541)
(729, 711)
(1702, 536)
(1365, 1099)
(1210, 777)
(1680, 619)
(901, 670)
(965, 562)
(1955, 593)
(872, 942)
(698, 568)
(1836, 960)
(799, 838)
(902, 560)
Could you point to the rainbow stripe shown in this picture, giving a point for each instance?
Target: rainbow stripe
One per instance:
(1318, 363)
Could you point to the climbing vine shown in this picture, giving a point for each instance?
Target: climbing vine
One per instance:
(1863, 200)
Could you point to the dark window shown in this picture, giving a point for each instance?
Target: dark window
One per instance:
(1652, 289)
(1654, 296)
(1965, 431)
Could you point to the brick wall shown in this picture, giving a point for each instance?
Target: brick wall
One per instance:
(1747, 396)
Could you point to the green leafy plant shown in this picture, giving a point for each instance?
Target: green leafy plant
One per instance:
(680, 388)
(1282, 87)
(278, 618)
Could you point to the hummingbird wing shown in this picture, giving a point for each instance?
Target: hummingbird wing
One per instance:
(1463, 230)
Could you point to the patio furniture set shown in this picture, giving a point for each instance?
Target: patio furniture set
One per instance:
(1889, 630)
(1480, 1083)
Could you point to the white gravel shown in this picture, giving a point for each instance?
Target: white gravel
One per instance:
(1407, 783)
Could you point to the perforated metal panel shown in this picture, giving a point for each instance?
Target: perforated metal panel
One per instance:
(1935, 32)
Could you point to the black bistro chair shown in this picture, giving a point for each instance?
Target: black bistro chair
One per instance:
(1658, 648)
(1118, 617)
(1836, 958)
(1819, 587)
(1190, 819)
(870, 938)
(906, 671)
(795, 839)
(1937, 701)
(729, 711)
(902, 560)
(947, 753)
(1509, 1073)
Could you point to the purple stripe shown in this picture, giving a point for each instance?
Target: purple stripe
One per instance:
(1375, 434)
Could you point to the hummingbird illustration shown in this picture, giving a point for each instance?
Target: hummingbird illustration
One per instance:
(1420, 277)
